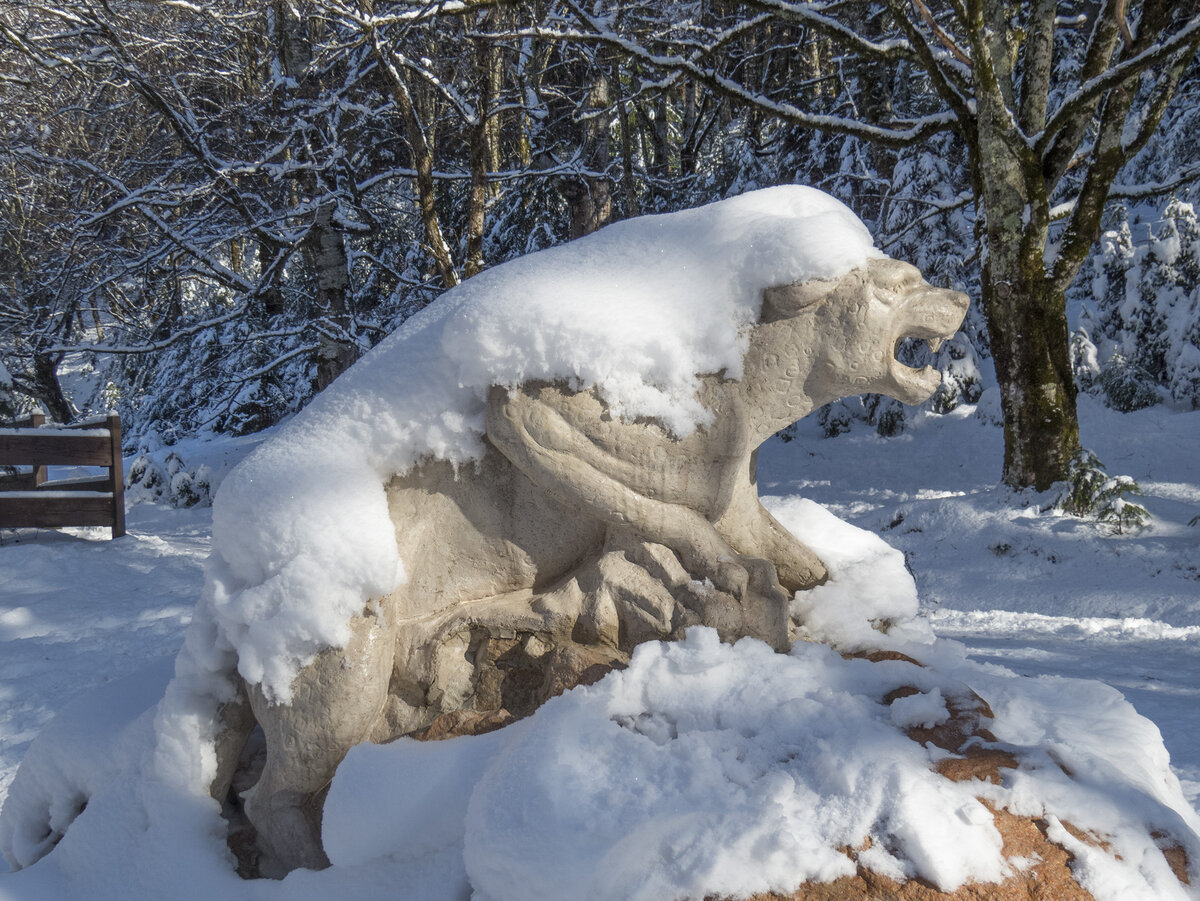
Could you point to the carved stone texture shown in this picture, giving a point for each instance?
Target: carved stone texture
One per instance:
(577, 537)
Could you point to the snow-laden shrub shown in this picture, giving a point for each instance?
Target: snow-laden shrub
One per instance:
(1091, 492)
(1127, 386)
(962, 382)
(1145, 335)
(170, 480)
(226, 378)
(885, 414)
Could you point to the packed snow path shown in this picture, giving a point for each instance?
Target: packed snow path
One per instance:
(78, 611)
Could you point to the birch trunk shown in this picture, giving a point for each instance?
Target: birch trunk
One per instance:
(326, 249)
(589, 197)
(324, 245)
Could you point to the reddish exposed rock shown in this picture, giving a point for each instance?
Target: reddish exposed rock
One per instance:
(1049, 880)
(878, 656)
(1176, 855)
(464, 722)
(977, 763)
(975, 756)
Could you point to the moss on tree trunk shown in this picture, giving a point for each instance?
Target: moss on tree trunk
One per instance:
(1031, 347)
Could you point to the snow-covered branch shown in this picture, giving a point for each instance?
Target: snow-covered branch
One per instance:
(814, 16)
(1187, 176)
(1081, 101)
(899, 133)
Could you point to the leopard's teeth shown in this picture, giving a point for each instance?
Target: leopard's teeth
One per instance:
(934, 344)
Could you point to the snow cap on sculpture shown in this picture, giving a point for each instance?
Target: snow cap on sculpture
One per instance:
(636, 310)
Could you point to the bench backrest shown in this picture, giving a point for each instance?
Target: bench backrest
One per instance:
(29, 499)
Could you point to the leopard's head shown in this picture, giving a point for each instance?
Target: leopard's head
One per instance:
(847, 330)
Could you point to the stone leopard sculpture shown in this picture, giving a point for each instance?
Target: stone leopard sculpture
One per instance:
(578, 536)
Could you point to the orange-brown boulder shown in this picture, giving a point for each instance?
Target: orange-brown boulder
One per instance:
(1042, 869)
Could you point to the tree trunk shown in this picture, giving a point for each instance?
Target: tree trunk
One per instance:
(1025, 311)
(689, 144)
(422, 161)
(326, 249)
(48, 389)
(270, 293)
(324, 245)
(628, 182)
(484, 150)
(1027, 323)
(589, 198)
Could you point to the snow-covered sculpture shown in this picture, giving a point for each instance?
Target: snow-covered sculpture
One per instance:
(578, 535)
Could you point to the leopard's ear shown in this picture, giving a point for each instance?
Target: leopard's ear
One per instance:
(785, 301)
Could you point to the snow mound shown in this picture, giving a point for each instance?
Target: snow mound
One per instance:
(870, 600)
(703, 770)
(710, 770)
(301, 534)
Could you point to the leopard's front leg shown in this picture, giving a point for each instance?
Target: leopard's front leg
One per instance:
(756, 533)
(564, 462)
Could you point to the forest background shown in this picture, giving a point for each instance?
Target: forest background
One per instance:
(210, 210)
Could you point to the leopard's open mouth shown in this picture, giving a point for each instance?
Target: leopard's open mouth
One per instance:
(932, 316)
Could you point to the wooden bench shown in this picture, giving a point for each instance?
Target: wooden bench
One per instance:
(29, 499)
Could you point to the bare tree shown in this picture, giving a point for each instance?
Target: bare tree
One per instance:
(201, 133)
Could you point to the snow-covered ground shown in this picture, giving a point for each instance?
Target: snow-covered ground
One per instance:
(1035, 592)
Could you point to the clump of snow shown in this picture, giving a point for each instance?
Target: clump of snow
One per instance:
(923, 709)
(870, 599)
(301, 534)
